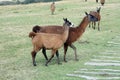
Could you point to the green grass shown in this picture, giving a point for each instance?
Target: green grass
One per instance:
(15, 46)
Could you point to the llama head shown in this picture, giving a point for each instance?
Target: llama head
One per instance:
(67, 22)
(91, 17)
(36, 29)
(98, 9)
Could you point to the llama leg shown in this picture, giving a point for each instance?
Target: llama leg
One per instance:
(33, 53)
(98, 25)
(74, 48)
(65, 50)
(49, 60)
(94, 24)
(57, 54)
(44, 53)
(89, 24)
(53, 52)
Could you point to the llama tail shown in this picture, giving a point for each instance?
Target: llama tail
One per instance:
(32, 34)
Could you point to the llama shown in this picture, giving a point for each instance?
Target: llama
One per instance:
(50, 29)
(98, 18)
(49, 41)
(52, 7)
(102, 2)
(75, 33)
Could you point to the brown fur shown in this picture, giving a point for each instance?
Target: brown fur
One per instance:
(49, 29)
(46, 40)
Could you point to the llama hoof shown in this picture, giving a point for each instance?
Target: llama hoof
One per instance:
(34, 65)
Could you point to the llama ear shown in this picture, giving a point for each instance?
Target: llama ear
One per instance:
(98, 10)
(86, 13)
(65, 19)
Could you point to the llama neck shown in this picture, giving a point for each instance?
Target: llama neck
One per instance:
(83, 25)
(65, 33)
(77, 32)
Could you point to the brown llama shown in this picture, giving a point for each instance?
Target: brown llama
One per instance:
(98, 18)
(49, 41)
(102, 2)
(75, 33)
(50, 29)
(52, 8)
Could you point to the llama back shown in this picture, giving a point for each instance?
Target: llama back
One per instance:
(53, 29)
(49, 29)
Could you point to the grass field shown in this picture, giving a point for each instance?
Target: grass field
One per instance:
(15, 45)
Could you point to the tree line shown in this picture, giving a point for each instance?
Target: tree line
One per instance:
(24, 1)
